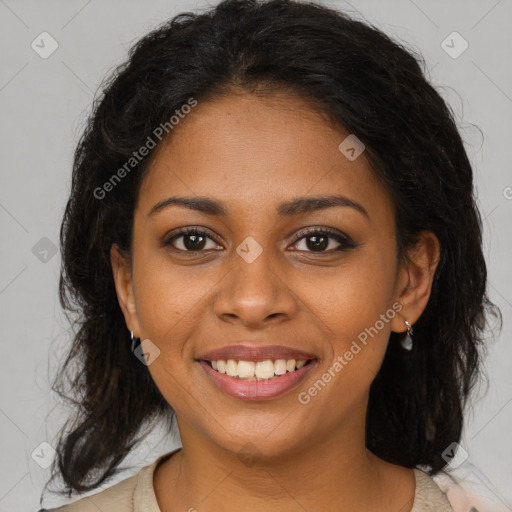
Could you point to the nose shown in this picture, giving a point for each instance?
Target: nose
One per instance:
(255, 294)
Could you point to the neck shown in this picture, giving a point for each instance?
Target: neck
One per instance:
(326, 474)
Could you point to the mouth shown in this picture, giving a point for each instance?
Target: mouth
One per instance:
(257, 370)
(260, 380)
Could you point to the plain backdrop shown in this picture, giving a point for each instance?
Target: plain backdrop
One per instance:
(44, 103)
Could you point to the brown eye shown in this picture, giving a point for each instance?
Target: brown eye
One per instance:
(317, 240)
(191, 240)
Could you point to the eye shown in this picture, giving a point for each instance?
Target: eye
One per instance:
(318, 240)
(313, 240)
(193, 240)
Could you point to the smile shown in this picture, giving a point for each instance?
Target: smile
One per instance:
(260, 380)
(261, 370)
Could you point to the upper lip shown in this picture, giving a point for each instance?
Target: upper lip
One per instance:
(252, 352)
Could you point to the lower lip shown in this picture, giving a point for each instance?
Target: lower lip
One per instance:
(254, 389)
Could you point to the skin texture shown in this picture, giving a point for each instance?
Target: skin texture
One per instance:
(252, 153)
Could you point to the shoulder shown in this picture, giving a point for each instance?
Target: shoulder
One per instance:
(429, 495)
(468, 488)
(118, 498)
(129, 495)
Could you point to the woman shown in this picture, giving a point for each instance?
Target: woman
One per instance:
(271, 237)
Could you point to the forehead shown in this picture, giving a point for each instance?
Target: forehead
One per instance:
(252, 152)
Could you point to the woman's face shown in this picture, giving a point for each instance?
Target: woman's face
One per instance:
(248, 280)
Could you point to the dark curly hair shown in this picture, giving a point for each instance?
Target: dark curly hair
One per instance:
(366, 83)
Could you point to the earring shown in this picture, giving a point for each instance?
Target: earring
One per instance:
(133, 341)
(407, 340)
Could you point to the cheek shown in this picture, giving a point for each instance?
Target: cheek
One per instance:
(353, 309)
(166, 293)
(352, 297)
(168, 299)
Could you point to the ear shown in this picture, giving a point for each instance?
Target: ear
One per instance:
(415, 280)
(121, 268)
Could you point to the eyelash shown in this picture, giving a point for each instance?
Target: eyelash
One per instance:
(344, 241)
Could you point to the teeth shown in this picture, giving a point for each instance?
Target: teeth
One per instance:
(231, 368)
(221, 366)
(280, 367)
(261, 370)
(264, 369)
(246, 369)
(290, 365)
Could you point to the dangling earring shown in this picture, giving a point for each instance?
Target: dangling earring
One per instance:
(133, 341)
(407, 340)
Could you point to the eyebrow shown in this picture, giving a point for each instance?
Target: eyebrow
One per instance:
(297, 206)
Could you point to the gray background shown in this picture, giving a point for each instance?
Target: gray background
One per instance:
(44, 103)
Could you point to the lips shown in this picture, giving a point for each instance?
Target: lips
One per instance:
(252, 352)
(246, 353)
(257, 390)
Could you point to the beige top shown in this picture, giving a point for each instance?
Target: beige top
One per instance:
(137, 494)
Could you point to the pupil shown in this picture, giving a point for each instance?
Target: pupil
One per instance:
(196, 244)
(317, 244)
